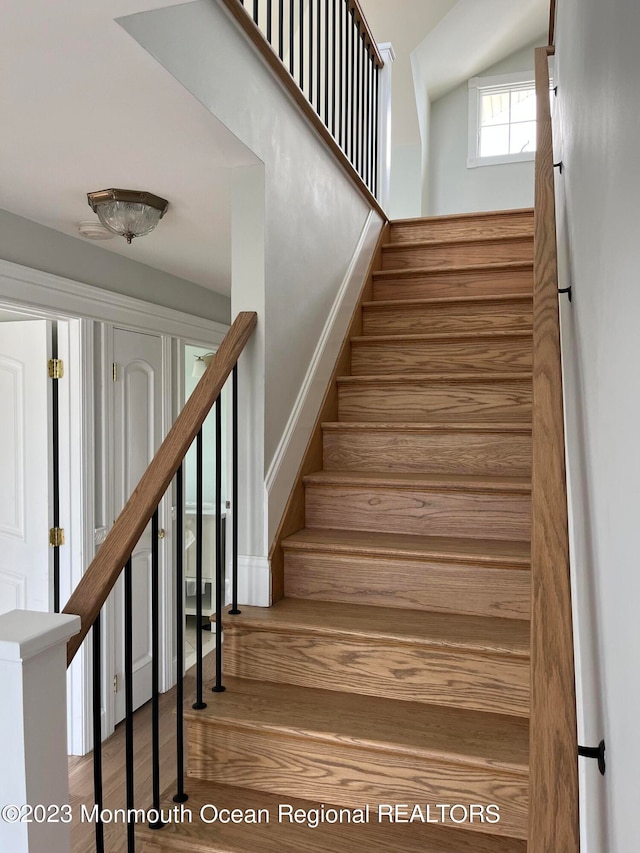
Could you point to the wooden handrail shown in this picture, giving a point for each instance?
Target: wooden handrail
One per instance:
(101, 576)
(553, 780)
(359, 18)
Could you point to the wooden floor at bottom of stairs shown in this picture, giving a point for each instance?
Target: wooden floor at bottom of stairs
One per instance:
(278, 832)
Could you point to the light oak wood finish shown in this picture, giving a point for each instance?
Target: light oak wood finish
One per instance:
(360, 750)
(293, 515)
(479, 449)
(466, 662)
(289, 837)
(420, 504)
(497, 223)
(429, 398)
(553, 817)
(445, 254)
(91, 593)
(448, 314)
(322, 570)
(467, 280)
(462, 352)
(243, 18)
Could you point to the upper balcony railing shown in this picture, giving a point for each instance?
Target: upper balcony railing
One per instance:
(326, 48)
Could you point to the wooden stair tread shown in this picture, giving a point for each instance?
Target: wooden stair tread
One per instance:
(396, 378)
(412, 480)
(479, 214)
(443, 336)
(449, 300)
(443, 630)
(431, 731)
(419, 427)
(411, 546)
(407, 272)
(285, 837)
(458, 241)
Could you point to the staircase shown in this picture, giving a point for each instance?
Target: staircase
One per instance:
(396, 669)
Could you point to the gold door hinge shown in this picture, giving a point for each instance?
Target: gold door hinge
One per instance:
(114, 372)
(56, 537)
(56, 368)
(115, 683)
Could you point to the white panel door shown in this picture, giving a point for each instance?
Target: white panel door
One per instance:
(25, 418)
(137, 434)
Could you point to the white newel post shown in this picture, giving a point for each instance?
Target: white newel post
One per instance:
(33, 731)
(384, 129)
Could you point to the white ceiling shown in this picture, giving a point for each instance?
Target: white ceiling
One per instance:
(84, 108)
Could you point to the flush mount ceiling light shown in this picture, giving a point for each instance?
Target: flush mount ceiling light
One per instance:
(128, 213)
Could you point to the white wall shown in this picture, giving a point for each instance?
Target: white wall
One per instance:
(454, 188)
(313, 215)
(597, 127)
(32, 245)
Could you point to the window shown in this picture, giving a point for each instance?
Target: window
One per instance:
(502, 119)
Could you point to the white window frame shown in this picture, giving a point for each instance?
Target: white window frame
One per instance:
(477, 86)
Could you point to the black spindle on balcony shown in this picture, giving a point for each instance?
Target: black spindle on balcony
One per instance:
(128, 685)
(219, 688)
(97, 731)
(199, 704)
(234, 498)
(180, 795)
(155, 669)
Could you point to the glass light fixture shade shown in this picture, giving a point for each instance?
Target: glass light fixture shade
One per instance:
(128, 213)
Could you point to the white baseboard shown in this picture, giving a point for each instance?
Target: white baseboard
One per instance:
(254, 581)
(286, 460)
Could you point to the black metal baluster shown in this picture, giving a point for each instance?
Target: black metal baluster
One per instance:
(281, 29)
(269, 21)
(318, 56)
(340, 73)
(301, 43)
(234, 505)
(180, 796)
(311, 51)
(155, 669)
(219, 561)
(367, 122)
(326, 63)
(352, 24)
(199, 704)
(128, 681)
(97, 731)
(291, 37)
(357, 158)
(333, 69)
(376, 130)
(255, 11)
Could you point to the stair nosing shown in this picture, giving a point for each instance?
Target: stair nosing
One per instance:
(405, 272)
(447, 300)
(418, 427)
(457, 241)
(441, 482)
(477, 214)
(406, 553)
(499, 334)
(453, 376)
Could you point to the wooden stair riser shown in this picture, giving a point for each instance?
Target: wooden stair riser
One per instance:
(442, 256)
(420, 401)
(429, 512)
(498, 683)
(509, 224)
(480, 354)
(442, 284)
(428, 318)
(473, 590)
(428, 452)
(352, 776)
